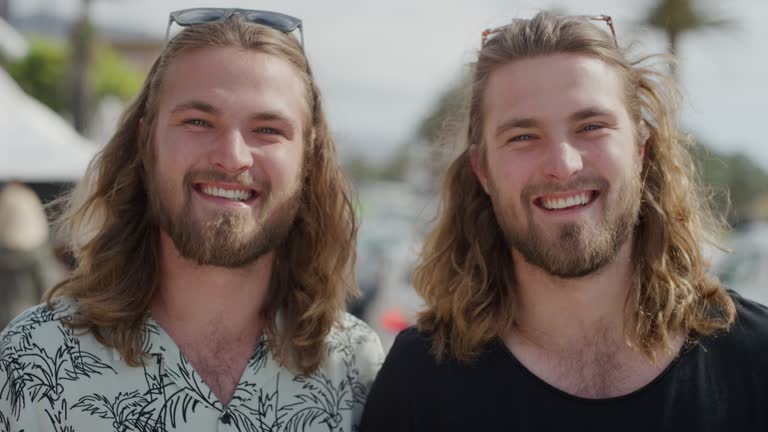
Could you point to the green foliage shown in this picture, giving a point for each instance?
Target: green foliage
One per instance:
(445, 110)
(42, 72)
(680, 16)
(395, 168)
(45, 74)
(360, 169)
(736, 181)
(113, 77)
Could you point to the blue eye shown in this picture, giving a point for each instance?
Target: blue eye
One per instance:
(591, 127)
(197, 122)
(268, 130)
(522, 138)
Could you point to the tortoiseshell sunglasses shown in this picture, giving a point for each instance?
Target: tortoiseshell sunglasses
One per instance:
(608, 20)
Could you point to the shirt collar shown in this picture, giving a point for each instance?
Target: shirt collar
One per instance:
(157, 342)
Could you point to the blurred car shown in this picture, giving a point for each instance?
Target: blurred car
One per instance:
(745, 270)
(397, 304)
(392, 217)
(367, 271)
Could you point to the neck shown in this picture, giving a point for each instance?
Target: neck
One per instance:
(564, 313)
(192, 299)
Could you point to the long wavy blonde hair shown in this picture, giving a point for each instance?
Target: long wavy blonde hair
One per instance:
(465, 272)
(107, 221)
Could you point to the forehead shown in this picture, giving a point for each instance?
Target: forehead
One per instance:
(233, 79)
(552, 87)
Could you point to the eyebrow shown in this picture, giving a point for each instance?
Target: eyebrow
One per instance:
(590, 112)
(514, 123)
(195, 105)
(529, 122)
(270, 116)
(208, 108)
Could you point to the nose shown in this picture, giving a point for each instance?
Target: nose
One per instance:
(231, 152)
(563, 160)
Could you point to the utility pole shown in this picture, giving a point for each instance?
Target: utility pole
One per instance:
(5, 10)
(82, 47)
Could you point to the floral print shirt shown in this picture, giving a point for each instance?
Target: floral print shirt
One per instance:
(54, 378)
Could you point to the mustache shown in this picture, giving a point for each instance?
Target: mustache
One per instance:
(244, 179)
(592, 182)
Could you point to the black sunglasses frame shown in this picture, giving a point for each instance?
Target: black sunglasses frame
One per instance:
(266, 18)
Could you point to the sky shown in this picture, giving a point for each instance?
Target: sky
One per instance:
(381, 65)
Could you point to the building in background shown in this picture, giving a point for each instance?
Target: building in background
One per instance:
(13, 46)
(104, 67)
(39, 147)
(138, 49)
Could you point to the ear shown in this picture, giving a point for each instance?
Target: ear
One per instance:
(478, 165)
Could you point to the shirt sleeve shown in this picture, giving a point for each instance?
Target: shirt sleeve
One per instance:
(370, 356)
(8, 419)
(5, 405)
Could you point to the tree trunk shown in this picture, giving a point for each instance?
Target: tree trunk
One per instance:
(82, 35)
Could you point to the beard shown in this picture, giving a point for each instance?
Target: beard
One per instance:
(575, 249)
(225, 239)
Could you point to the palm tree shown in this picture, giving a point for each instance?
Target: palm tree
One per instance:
(82, 35)
(676, 17)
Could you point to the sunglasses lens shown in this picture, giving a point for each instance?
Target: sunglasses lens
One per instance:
(280, 22)
(200, 16)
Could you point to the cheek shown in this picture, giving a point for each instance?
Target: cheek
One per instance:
(509, 173)
(178, 153)
(171, 164)
(618, 163)
(282, 164)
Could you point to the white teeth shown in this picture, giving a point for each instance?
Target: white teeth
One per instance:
(233, 194)
(561, 203)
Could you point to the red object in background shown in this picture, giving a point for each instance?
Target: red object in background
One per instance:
(394, 320)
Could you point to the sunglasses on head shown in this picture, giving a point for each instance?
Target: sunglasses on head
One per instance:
(195, 16)
(608, 20)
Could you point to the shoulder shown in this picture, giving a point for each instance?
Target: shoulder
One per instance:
(402, 383)
(354, 356)
(748, 336)
(38, 322)
(748, 312)
(413, 363)
(34, 336)
(354, 337)
(409, 360)
(751, 320)
(412, 345)
(352, 341)
(349, 326)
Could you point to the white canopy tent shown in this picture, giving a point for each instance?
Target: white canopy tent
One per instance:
(12, 44)
(36, 144)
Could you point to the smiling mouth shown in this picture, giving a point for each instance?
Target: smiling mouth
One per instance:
(232, 194)
(566, 202)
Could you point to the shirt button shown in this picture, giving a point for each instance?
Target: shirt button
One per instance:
(226, 418)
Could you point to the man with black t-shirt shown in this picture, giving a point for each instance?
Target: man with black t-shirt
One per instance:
(564, 280)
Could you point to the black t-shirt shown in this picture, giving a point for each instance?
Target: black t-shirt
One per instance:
(718, 384)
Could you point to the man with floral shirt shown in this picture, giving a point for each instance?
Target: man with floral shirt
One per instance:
(214, 234)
